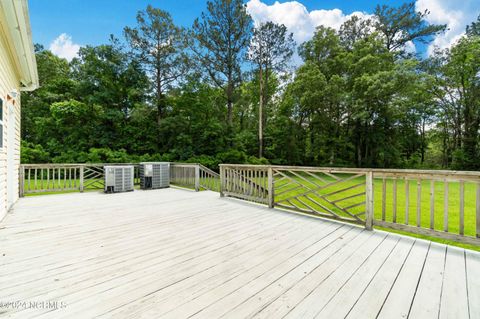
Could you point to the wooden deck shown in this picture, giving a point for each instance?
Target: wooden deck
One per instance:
(178, 254)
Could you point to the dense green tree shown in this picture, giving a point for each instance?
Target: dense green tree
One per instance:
(220, 39)
(457, 92)
(160, 46)
(270, 50)
(356, 100)
(401, 25)
(109, 78)
(474, 28)
(55, 86)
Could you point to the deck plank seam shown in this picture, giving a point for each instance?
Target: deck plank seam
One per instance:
(353, 274)
(303, 277)
(374, 275)
(419, 280)
(395, 280)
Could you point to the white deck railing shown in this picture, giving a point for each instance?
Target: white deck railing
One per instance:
(443, 204)
(48, 178)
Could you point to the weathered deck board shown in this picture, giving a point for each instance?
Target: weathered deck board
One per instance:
(176, 254)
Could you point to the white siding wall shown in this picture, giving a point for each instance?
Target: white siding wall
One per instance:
(8, 82)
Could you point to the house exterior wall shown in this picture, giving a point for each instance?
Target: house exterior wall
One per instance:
(9, 81)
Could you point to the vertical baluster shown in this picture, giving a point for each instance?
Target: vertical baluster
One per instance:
(445, 207)
(419, 202)
(432, 204)
(35, 179)
(240, 180)
(265, 182)
(394, 218)
(228, 178)
(462, 207)
(369, 207)
(384, 198)
(407, 199)
(271, 198)
(245, 183)
(254, 185)
(29, 179)
(82, 178)
(226, 172)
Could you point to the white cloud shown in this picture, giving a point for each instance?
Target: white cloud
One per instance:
(410, 47)
(64, 47)
(295, 16)
(455, 14)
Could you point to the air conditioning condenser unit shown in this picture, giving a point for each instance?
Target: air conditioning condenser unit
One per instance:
(118, 179)
(154, 175)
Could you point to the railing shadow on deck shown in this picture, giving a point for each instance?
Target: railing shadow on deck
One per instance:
(441, 204)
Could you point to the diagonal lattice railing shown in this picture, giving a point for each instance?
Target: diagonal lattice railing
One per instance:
(334, 195)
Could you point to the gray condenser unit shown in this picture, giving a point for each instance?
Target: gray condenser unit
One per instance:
(118, 179)
(154, 175)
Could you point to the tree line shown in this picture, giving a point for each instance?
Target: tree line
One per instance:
(228, 90)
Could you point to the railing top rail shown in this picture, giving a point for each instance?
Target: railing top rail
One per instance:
(377, 171)
(208, 170)
(74, 164)
(184, 164)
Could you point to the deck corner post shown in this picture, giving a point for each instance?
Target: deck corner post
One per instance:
(271, 195)
(369, 200)
(477, 211)
(222, 181)
(81, 178)
(197, 177)
(21, 185)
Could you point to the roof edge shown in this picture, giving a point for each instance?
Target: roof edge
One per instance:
(17, 25)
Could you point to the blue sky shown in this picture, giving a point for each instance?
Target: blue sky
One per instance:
(88, 22)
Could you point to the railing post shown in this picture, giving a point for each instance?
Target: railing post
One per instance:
(222, 181)
(477, 212)
(369, 201)
(21, 185)
(81, 178)
(271, 195)
(197, 177)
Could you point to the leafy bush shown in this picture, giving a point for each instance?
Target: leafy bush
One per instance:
(33, 153)
(257, 161)
(232, 157)
(206, 160)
